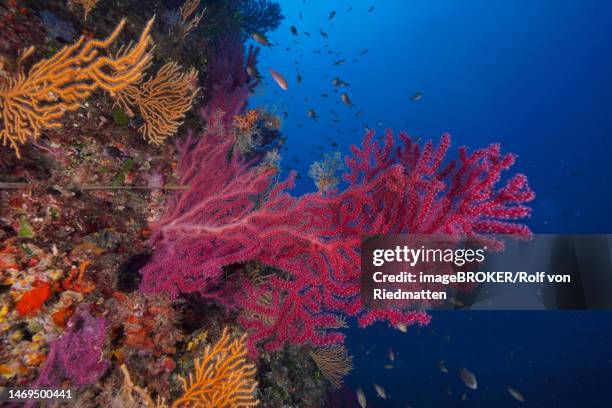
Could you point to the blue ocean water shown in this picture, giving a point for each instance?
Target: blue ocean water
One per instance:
(535, 76)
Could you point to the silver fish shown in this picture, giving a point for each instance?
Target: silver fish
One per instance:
(361, 398)
(442, 367)
(417, 96)
(380, 391)
(516, 394)
(468, 378)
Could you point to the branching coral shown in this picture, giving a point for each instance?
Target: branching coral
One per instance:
(87, 5)
(186, 11)
(36, 100)
(334, 362)
(162, 101)
(221, 378)
(232, 214)
(324, 172)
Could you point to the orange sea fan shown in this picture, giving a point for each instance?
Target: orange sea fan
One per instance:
(162, 101)
(32, 102)
(186, 11)
(222, 378)
(334, 362)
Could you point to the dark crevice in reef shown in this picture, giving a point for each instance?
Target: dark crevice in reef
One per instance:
(128, 278)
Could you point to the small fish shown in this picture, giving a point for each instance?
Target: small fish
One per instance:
(253, 73)
(391, 355)
(361, 398)
(301, 16)
(574, 173)
(516, 394)
(417, 96)
(388, 366)
(464, 396)
(371, 9)
(312, 114)
(279, 79)
(298, 79)
(337, 82)
(324, 34)
(380, 123)
(441, 366)
(380, 391)
(293, 30)
(468, 378)
(306, 33)
(364, 52)
(261, 39)
(332, 15)
(324, 95)
(400, 326)
(346, 100)
(349, 9)
(339, 62)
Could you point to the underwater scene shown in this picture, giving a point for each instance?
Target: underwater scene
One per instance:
(201, 203)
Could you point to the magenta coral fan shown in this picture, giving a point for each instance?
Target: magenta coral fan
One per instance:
(77, 355)
(233, 213)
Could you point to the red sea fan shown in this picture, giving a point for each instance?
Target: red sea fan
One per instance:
(234, 212)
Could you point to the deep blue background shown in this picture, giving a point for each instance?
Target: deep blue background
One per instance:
(533, 75)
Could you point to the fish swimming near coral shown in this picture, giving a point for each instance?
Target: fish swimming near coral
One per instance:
(261, 39)
(361, 398)
(279, 79)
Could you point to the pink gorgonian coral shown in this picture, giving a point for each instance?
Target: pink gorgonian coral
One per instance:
(234, 212)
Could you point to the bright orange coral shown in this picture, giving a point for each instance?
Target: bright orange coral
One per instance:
(76, 280)
(32, 102)
(246, 122)
(222, 378)
(162, 100)
(31, 301)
